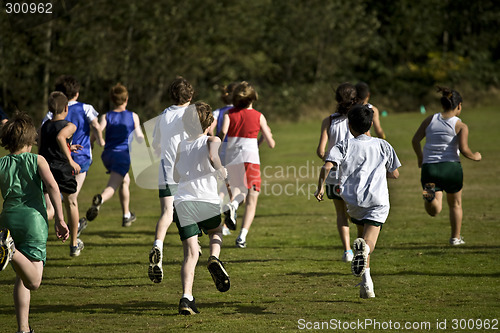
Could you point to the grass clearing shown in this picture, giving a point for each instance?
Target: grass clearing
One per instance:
(291, 269)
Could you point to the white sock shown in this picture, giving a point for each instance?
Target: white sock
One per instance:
(235, 204)
(127, 215)
(189, 297)
(243, 234)
(159, 244)
(366, 275)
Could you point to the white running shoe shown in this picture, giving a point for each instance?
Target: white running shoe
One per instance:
(74, 251)
(240, 243)
(360, 260)
(347, 256)
(226, 231)
(366, 290)
(457, 241)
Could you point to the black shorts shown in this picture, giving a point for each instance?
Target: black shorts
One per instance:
(65, 177)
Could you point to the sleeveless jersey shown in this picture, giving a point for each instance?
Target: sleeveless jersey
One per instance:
(119, 125)
(197, 176)
(81, 115)
(168, 133)
(49, 147)
(441, 144)
(242, 144)
(337, 132)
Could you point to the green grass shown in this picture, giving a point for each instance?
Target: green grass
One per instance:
(291, 269)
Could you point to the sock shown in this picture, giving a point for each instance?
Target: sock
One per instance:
(189, 297)
(366, 275)
(243, 234)
(235, 204)
(158, 244)
(127, 215)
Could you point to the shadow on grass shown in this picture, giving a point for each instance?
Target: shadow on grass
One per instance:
(141, 308)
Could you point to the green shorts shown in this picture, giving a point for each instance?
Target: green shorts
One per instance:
(29, 229)
(333, 192)
(192, 217)
(448, 176)
(366, 221)
(167, 190)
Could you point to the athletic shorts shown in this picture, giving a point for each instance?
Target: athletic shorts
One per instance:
(116, 161)
(367, 221)
(246, 175)
(333, 192)
(192, 217)
(64, 176)
(83, 162)
(29, 229)
(448, 176)
(167, 190)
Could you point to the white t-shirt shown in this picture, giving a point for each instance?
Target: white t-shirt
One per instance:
(363, 163)
(168, 132)
(441, 141)
(197, 176)
(337, 132)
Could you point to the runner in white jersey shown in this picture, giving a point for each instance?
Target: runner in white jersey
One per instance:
(364, 163)
(197, 202)
(168, 132)
(446, 136)
(335, 129)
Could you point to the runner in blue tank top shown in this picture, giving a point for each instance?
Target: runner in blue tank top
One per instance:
(119, 124)
(84, 116)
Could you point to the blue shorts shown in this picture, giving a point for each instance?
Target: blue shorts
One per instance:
(116, 161)
(83, 161)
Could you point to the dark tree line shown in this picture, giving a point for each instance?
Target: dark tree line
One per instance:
(294, 52)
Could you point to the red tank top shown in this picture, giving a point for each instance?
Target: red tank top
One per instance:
(244, 123)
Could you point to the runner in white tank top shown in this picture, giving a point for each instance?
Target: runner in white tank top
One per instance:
(446, 135)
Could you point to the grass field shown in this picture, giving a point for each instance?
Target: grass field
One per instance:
(290, 277)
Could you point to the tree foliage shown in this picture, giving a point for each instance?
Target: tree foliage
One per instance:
(294, 52)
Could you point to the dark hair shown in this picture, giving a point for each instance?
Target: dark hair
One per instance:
(118, 94)
(346, 97)
(362, 90)
(227, 93)
(360, 118)
(449, 98)
(197, 117)
(180, 91)
(244, 94)
(57, 102)
(18, 132)
(68, 85)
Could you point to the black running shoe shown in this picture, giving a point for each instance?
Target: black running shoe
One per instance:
(219, 274)
(429, 192)
(230, 216)
(187, 307)
(127, 221)
(94, 209)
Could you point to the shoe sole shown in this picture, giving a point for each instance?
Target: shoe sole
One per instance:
(93, 211)
(241, 245)
(358, 263)
(186, 311)
(429, 192)
(219, 275)
(155, 272)
(6, 249)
